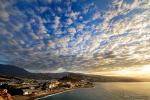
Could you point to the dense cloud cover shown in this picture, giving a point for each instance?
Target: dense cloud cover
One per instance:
(74, 35)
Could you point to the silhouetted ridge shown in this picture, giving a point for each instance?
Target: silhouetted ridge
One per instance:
(11, 70)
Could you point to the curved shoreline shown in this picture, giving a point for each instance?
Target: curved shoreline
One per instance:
(67, 90)
(48, 95)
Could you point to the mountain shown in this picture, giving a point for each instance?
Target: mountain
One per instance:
(13, 71)
(100, 78)
(10, 70)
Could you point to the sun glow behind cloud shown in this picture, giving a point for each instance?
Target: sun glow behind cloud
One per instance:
(138, 71)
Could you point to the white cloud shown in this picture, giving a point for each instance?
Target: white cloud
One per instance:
(74, 15)
(58, 32)
(56, 22)
(72, 30)
(59, 70)
(97, 15)
(80, 27)
(4, 14)
(87, 7)
(59, 9)
(51, 44)
(43, 9)
(69, 21)
(49, 1)
(81, 17)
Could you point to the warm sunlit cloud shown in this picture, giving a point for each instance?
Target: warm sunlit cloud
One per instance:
(138, 71)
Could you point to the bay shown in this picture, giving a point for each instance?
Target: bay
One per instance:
(108, 91)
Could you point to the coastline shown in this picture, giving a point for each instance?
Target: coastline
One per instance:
(56, 93)
(39, 96)
(48, 95)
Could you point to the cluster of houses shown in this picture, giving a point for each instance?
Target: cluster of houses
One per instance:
(55, 85)
(33, 87)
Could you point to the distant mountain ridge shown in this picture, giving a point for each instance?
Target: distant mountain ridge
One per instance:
(13, 71)
(10, 70)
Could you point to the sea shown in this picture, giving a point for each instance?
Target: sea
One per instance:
(107, 91)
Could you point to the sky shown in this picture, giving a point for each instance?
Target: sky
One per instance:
(87, 36)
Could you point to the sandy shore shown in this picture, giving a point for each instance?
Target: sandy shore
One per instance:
(66, 90)
(38, 98)
(20, 97)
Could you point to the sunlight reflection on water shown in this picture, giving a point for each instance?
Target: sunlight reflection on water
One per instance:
(108, 91)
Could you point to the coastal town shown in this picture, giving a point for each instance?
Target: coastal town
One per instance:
(30, 89)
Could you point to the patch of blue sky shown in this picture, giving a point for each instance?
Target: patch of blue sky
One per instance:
(103, 5)
(88, 16)
(77, 6)
(26, 6)
(96, 50)
(94, 33)
(129, 1)
(58, 45)
(114, 37)
(88, 42)
(8, 26)
(98, 21)
(77, 34)
(35, 27)
(48, 16)
(103, 43)
(1, 21)
(135, 11)
(130, 14)
(3, 37)
(25, 29)
(14, 19)
(49, 29)
(18, 35)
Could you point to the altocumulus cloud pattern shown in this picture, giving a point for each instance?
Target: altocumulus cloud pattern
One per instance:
(74, 35)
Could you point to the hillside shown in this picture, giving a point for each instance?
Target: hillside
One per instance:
(13, 71)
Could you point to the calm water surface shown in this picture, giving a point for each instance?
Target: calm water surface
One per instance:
(108, 91)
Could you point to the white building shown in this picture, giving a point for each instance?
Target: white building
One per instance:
(53, 84)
